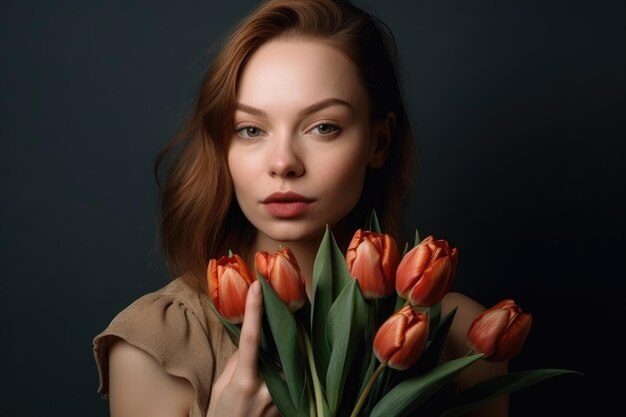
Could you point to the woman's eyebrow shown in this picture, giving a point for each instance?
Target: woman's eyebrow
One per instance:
(250, 110)
(322, 104)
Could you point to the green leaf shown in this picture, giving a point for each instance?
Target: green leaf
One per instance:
(418, 239)
(432, 352)
(371, 367)
(434, 317)
(277, 387)
(330, 275)
(409, 394)
(437, 339)
(275, 384)
(285, 334)
(233, 330)
(485, 391)
(405, 250)
(374, 225)
(381, 386)
(367, 359)
(400, 302)
(347, 319)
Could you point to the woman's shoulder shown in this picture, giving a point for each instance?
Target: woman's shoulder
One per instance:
(466, 310)
(175, 326)
(175, 301)
(464, 304)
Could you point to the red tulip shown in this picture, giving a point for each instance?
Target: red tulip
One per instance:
(372, 260)
(229, 279)
(282, 272)
(499, 332)
(426, 272)
(400, 340)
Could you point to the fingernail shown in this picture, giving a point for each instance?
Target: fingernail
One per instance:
(255, 288)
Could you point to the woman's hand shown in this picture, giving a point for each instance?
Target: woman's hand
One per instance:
(240, 391)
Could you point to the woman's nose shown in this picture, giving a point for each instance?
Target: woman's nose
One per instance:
(284, 160)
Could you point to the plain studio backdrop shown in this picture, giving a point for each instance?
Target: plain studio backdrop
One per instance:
(519, 113)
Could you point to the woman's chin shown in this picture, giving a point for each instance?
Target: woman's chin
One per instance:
(289, 234)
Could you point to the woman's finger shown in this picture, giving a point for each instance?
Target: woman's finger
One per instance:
(250, 337)
(226, 376)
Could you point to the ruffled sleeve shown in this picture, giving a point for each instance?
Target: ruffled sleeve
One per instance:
(175, 327)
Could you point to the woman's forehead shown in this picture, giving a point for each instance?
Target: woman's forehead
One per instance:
(298, 70)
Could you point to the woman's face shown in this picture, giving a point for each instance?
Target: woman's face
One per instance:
(302, 139)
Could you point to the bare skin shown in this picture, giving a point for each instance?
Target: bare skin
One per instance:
(240, 391)
(302, 126)
(456, 347)
(140, 388)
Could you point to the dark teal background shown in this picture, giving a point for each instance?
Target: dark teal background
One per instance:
(519, 110)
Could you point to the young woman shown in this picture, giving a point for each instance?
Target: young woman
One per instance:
(300, 123)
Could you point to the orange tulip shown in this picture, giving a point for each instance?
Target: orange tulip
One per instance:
(499, 332)
(372, 260)
(229, 279)
(426, 272)
(282, 272)
(400, 340)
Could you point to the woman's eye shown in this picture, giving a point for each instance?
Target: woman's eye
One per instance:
(325, 129)
(249, 132)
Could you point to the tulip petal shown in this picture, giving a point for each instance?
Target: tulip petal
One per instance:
(232, 295)
(261, 262)
(412, 267)
(354, 244)
(372, 259)
(389, 337)
(212, 282)
(282, 273)
(434, 283)
(288, 283)
(486, 330)
(415, 340)
(401, 339)
(242, 269)
(500, 332)
(390, 258)
(425, 274)
(367, 271)
(511, 342)
(505, 304)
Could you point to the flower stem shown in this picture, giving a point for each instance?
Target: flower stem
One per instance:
(319, 396)
(311, 405)
(366, 391)
(434, 317)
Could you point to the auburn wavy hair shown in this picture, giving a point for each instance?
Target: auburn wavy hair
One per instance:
(200, 219)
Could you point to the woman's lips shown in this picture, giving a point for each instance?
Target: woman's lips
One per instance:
(286, 204)
(286, 209)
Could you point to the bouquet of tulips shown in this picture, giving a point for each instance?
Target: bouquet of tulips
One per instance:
(369, 342)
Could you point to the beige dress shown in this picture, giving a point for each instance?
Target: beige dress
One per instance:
(177, 328)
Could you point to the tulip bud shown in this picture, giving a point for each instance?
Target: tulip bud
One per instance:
(400, 340)
(426, 272)
(282, 272)
(229, 279)
(499, 332)
(372, 260)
